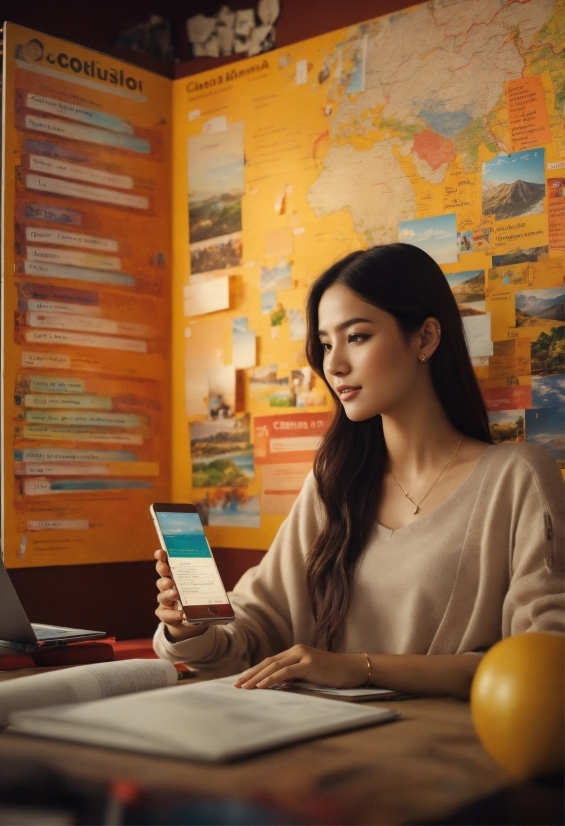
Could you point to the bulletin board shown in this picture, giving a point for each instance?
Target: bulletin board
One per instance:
(441, 126)
(160, 238)
(86, 303)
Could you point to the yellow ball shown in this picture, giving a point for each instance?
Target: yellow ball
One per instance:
(517, 703)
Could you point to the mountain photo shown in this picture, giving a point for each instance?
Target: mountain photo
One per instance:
(540, 308)
(514, 185)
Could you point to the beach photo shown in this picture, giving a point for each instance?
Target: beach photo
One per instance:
(507, 426)
(222, 453)
(215, 183)
(540, 308)
(546, 428)
(514, 185)
(437, 236)
(468, 289)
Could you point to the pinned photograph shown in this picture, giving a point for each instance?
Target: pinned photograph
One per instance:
(234, 509)
(540, 308)
(546, 428)
(304, 387)
(507, 426)
(465, 241)
(244, 345)
(514, 185)
(215, 184)
(221, 392)
(216, 254)
(547, 352)
(520, 256)
(278, 315)
(548, 391)
(263, 383)
(437, 236)
(268, 303)
(278, 277)
(468, 289)
(297, 324)
(222, 453)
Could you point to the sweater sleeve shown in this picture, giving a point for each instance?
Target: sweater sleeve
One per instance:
(535, 598)
(270, 602)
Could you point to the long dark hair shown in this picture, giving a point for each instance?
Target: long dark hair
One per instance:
(351, 461)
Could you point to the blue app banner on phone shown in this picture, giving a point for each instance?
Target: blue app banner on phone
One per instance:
(183, 535)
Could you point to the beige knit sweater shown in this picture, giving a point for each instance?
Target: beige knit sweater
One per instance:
(485, 564)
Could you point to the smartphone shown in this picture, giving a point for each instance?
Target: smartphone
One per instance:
(202, 594)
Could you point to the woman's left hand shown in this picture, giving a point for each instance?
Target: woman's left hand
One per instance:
(310, 664)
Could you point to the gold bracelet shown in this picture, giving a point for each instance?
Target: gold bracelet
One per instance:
(369, 667)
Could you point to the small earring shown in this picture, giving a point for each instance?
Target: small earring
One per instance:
(422, 358)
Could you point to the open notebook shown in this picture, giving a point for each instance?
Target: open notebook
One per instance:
(210, 721)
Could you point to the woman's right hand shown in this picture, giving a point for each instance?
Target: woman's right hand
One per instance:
(168, 598)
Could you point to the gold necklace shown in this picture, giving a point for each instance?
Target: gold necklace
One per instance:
(407, 495)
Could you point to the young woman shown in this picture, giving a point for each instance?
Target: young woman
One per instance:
(416, 543)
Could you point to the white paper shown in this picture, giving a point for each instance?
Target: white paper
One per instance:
(215, 125)
(199, 28)
(478, 334)
(268, 11)
(208, 721)
(207, 296)
(301, 72)
(244, 22)
(84, 683)
(343, 692)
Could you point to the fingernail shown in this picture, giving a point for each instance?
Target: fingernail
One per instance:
(262, 683)
(172, 592)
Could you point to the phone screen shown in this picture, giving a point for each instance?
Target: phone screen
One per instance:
(190, 559)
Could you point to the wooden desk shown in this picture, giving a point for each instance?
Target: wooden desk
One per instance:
(416, 770)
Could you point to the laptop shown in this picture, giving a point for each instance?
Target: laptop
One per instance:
(17, 631)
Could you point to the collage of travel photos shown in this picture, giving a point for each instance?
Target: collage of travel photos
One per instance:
(227, 441)
(88, 295)
(305, 154)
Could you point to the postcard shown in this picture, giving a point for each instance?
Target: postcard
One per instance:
(548, 391)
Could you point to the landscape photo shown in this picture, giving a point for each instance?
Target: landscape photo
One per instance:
(216, 254)
(548, 352)
(520, 256)
(540, 308)
(514, 185)
(507, 426)
(546, 428)
(215, 183)
(222, 453)
(437, 236)
(548, 391)
(468, 289)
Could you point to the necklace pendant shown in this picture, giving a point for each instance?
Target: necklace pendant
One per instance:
(417, 510)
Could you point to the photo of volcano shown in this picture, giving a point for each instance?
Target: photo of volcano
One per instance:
(514, 185)
(540, 308)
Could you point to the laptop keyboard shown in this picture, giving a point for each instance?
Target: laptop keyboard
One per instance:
(44, 633)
